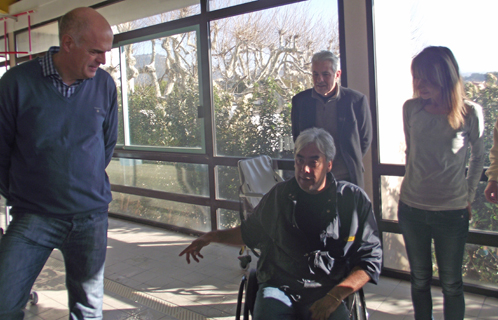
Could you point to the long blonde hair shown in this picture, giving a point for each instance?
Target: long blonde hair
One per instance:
(438, 66)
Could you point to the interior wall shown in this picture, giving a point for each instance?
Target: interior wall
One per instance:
(356, 47)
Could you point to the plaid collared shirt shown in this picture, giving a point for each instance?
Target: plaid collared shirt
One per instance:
(47, 64)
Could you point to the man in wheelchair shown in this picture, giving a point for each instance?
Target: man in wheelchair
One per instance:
(318, 239)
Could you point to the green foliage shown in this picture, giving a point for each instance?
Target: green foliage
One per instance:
(486, 94)
(480, 262)
(485, 215)
(252, 126)
(165, 121)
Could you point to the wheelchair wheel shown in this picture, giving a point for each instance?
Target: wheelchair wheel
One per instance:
(251, 291)
(240, 296)
(33, 298)
(357, 306)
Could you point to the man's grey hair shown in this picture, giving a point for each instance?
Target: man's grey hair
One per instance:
(321, 138)
(325, 55)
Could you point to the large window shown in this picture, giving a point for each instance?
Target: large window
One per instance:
(180, 136)
(398, 38)
(260, 60)
(160, 96)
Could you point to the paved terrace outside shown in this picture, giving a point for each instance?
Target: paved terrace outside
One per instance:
(145, 279)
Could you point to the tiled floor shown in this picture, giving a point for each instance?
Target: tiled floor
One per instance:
(145, 279)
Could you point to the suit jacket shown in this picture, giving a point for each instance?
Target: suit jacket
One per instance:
(353, 120)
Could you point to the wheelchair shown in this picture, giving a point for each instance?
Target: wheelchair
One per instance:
(257, 176)
(355, 303)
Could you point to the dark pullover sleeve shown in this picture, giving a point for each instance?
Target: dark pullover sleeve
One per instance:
(7, 130)
(111, 126)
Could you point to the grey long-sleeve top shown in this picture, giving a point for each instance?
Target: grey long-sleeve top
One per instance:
(436, 158)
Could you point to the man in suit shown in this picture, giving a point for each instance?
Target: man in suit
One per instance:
(343, 112)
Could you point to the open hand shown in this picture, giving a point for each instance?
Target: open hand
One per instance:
(194, 249)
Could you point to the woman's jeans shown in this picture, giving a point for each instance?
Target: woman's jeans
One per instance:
(28, 243)
(273, 303)
(449, 230)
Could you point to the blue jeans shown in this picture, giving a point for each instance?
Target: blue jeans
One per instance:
(449, 230)
(273, 303)
(28, 243)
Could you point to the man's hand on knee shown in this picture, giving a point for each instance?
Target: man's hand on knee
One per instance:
(323, 308)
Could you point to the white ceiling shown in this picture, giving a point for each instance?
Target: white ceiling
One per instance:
(124, 11)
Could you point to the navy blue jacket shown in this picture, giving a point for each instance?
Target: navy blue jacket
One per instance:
(54, 150)
(354, 123)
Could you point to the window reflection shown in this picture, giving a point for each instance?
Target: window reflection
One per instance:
(175, 177)
(170, 212)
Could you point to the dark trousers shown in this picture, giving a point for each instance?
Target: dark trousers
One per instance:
(273, 303)
(449, 230)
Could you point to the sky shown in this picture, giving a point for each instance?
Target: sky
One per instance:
(402, 29)
(468, 28)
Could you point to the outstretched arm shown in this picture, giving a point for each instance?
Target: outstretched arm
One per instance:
(323, 308)
(230, 236)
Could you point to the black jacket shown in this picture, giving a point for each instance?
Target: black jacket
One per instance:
(352, 237)
(354, 123)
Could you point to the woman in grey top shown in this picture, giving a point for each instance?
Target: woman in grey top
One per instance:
(435, 198)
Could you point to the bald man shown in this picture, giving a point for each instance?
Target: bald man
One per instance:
(58, 129)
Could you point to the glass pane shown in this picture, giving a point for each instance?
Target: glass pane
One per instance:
(479, 262)
(42, 38)
(417, 24)
(220, 4)
(228, 219)
(389, 188)
(484, 214)
(260, 61)
(395, 257)
(182, 178)
(162, 96)
(132, 15)
(480, 265)
(3, 69)
(113, 67)
(174, 213)
(228, 183)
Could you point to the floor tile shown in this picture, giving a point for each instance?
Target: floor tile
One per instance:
(145, 279)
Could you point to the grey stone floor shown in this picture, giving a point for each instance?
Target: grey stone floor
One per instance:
(145, 279)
